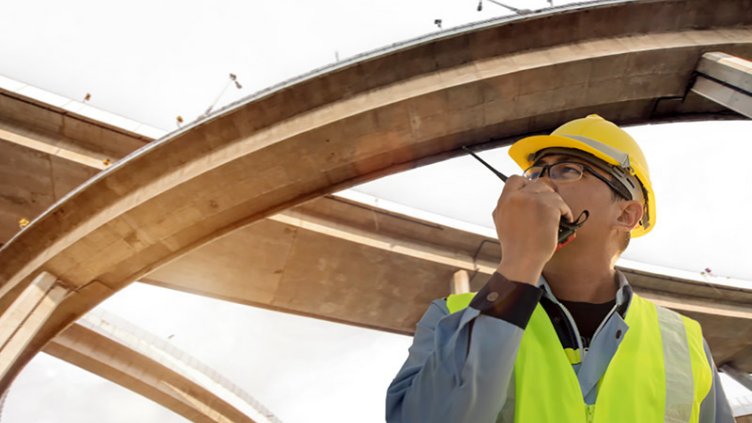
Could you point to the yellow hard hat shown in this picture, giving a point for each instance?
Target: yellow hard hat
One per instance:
(602, 139)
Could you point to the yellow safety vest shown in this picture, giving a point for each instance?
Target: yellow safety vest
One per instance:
(659, 373)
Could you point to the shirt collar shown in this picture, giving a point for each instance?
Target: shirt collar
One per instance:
(623, 292)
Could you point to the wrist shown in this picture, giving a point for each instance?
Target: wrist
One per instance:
(520, 271)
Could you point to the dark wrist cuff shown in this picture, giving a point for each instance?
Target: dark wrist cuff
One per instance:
(511, 301)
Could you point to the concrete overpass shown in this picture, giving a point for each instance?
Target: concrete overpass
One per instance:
(414, 104)
(134, 359)
(381, 269)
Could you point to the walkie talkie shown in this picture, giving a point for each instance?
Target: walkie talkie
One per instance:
(566, 229)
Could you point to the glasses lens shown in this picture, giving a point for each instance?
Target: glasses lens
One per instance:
(533, 172)
(566, 171)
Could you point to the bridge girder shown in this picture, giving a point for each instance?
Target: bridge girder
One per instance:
(411, 105)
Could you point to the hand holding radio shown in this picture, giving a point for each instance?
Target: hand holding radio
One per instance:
(532, 223)
(527, 218)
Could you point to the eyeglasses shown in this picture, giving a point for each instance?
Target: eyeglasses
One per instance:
(571, 172)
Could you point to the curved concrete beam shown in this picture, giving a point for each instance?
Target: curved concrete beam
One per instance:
(141, 362)
(385, 112)
(349, 262)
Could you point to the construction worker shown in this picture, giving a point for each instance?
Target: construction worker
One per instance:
(557, 334)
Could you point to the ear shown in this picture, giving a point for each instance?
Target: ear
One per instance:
(630, 213)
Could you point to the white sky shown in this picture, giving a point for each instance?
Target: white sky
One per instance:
(701, 201)
(151, 61)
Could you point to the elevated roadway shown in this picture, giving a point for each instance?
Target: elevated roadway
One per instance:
(349, 262)
(417, 103)
(136, 360)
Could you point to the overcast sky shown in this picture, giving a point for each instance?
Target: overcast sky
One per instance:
(151, 61)
(701, 200)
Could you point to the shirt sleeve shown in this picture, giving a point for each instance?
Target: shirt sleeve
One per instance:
(715, 407)
(460, 365)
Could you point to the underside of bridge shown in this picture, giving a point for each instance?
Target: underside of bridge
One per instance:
(238, 206)
(122, 353)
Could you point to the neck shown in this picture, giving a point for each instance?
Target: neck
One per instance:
(581, 277)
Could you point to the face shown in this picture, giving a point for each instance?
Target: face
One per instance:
(588, 193)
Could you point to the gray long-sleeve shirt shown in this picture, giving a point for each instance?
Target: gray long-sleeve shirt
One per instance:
(460, 365)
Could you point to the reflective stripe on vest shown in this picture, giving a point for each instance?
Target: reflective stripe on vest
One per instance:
(659, 373)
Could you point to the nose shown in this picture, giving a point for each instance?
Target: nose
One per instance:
(550, 182)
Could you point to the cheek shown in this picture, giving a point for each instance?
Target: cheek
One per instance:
(593, 199)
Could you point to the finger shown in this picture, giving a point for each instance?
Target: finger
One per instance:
(537, 186)
(566, 212)
(564, 209)
(555, 200)
(514, 183)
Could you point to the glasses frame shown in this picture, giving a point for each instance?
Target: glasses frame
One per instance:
(622, 191)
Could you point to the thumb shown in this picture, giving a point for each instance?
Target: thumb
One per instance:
(514, 183)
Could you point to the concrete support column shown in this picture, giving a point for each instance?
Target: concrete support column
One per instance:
(28, 313)
(460, 282)
(727, 80)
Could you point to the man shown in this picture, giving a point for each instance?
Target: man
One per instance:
(556, 334)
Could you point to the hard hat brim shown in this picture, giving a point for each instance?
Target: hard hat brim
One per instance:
(523, 151)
